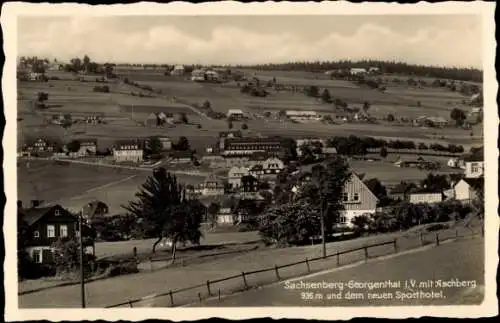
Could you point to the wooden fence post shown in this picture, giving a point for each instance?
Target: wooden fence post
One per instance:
(219, 294)
(245, 285)
(437, 239)
(199, 296)
(366, 253)
(307, 264)
(208, 288)
(396, 245)
(456, 233)
(171, 298)
(338, 258)
(421, 238)
(131, 304)
(277, 272)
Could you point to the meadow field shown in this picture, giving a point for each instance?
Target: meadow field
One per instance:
(125, 112)
(74, 185)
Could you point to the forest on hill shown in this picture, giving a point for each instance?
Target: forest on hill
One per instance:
(386, 67)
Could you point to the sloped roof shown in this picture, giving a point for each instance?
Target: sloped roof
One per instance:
(234, 111)
(257, 167)
(33, 215)
(475, 183)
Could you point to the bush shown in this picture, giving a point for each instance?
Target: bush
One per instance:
(102, 89)
(422, 146)
(383, 152)
(390, 118)
(244, 126)
(122, 268)
(437, 227)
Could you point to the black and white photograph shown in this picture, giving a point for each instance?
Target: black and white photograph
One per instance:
(249, 160)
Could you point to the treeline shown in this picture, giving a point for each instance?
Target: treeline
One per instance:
(407, 215)
(387, 67)
(353, 145)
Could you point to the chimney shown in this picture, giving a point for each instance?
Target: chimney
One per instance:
(19, 204)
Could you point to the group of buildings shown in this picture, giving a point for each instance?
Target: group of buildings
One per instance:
(123, 151)
(465, 190)
(354, 71)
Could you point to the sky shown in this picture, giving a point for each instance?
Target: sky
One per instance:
(442, 40)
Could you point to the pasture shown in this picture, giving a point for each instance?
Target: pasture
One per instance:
(74, 185)
(125, 114)
(390, 174)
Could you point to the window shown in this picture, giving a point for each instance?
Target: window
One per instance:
(37, 257)
(475, 168)
(63, 231)
(57, 213)
(356, 197)
(36, 234)
(345, 197)
(51, 231)
(343, 219)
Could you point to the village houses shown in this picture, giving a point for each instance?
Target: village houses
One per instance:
(356, 197)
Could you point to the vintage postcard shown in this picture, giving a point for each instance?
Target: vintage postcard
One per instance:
(288, 160)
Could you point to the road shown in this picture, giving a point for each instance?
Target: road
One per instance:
(461, 260)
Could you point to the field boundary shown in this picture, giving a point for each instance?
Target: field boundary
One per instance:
(242, 277)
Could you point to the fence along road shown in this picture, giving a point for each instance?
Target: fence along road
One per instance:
(442, 263)
(246, 280)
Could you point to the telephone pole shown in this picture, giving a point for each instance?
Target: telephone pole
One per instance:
(82, 253)
(323, 240)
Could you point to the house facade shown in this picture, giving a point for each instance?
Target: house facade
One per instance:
(357, 71)
(474, 169)
(235, 174)
(225, 214)
(235, 114)
(40, 147)
(178, 70)
(357, 200)
(302, 115)
(152, 120)
(248, 146)
(166, 143)
(423, 196)
(466, 190)
(94, 212)
(88, 147)
(45, 226)
(212, 186)
(128, 151)
(249, 184)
